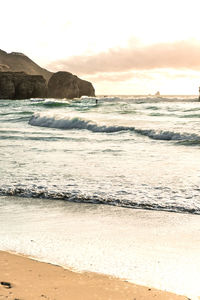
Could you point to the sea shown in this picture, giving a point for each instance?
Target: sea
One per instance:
(109, 184)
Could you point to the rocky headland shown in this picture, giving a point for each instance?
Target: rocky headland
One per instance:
(21, 78)
(18, 62)
(18, 85)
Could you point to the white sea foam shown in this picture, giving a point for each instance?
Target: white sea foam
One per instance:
(64, 122)
(144, 247)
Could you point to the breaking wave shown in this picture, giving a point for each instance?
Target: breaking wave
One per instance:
(72, 123)
(57, 121)
(168, 135)
(43, 193)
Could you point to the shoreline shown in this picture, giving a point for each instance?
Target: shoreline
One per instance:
(32, 279)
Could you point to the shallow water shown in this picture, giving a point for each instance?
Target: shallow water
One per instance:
(157, 249)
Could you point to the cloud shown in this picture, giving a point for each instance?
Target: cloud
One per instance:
(179, 74)
(117, 77)
(177, 55)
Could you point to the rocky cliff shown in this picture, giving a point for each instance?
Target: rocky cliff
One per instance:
(18, 85)
(18, 62)
(67, 85)
(21, 78)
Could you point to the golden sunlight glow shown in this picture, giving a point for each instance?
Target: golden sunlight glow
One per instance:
(50, 31)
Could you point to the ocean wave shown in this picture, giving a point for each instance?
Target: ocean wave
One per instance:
(50, 103)
(191, 116)
(192, 109)
(75, 103)
(61, 122)
(167, 135)
(43, 193)
(189, 142)
(16, 113)
(153, 107)
(17, 119)
(30, 138)
(160, 115)
(72, 123)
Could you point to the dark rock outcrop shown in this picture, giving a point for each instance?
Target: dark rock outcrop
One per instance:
(85, 88)
(18, 85)
(67, 85)
(18, 62)
(16, 81)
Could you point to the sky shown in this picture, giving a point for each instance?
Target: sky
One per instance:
(122, 46)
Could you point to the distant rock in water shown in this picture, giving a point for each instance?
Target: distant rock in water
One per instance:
(18, 85)
(67, 85)
(18, 62)
(157, 94)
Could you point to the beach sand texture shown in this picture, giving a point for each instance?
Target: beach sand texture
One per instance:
(30, 279)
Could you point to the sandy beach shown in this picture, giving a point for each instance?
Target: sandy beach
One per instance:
(23, 278)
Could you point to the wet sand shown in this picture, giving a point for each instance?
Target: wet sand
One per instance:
(23, 278)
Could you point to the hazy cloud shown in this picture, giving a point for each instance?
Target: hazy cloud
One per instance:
(182, 75)
(177, 55)
(117, 77)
